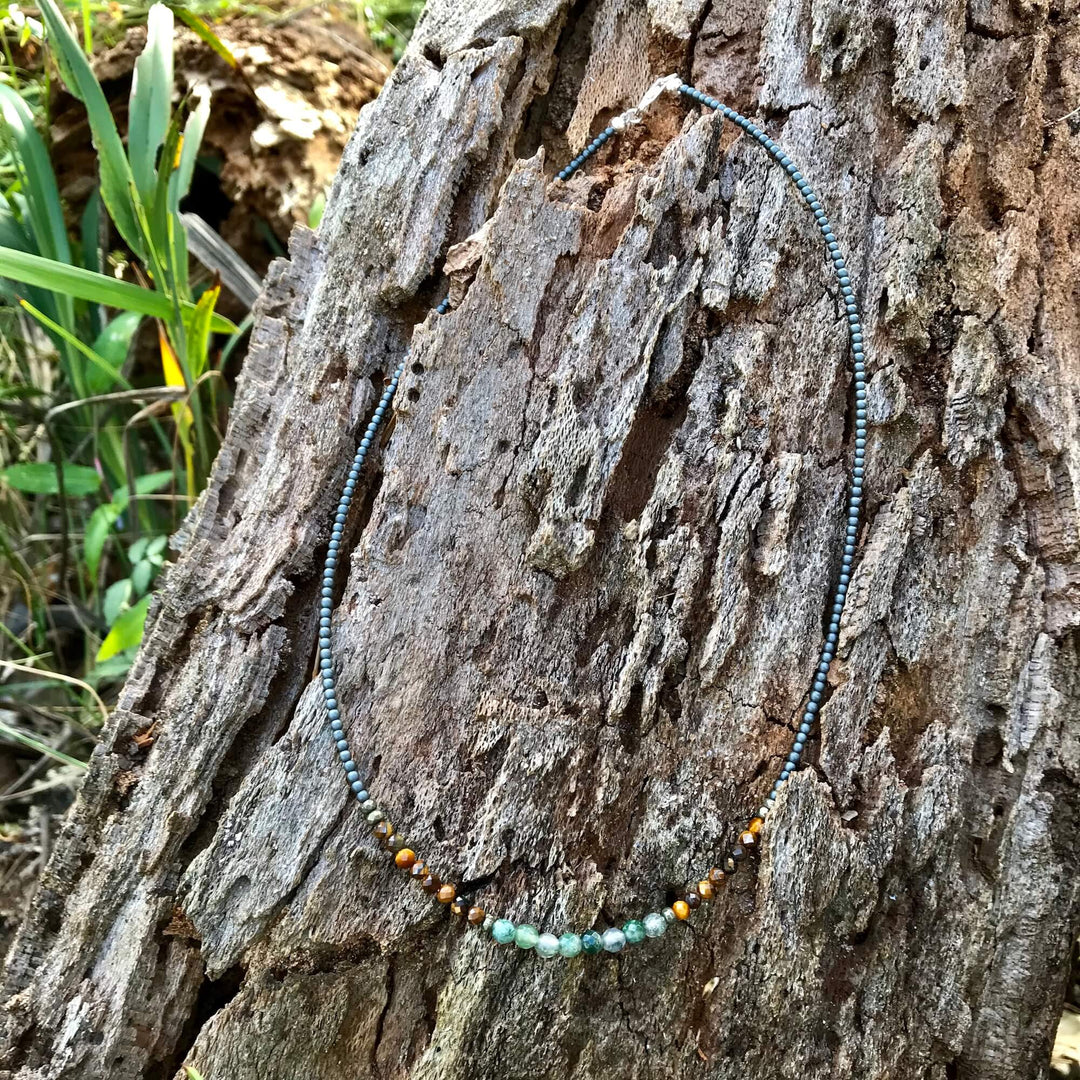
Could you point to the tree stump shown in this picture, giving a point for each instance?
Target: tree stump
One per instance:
(586, 579)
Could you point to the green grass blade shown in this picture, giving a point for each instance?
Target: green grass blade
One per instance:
(39, 746)
(98, 288)
(115, 171)
(194, 130)
(113, 374)
(151, 101)
(203, 31)
(37, 177)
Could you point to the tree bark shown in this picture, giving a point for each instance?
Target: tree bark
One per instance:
(585, 583)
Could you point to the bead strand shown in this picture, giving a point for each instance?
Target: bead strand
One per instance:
(653, 925)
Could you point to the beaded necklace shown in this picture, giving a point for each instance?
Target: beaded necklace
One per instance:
(654, 924)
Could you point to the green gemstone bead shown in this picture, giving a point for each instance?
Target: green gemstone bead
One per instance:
(591, 943)
(634, 931)
(503, 931)
(570, 944)
(526, 936)
(547, 946)
(655, 924)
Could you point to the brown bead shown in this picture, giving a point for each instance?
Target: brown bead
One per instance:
(730, 866)
(756, 825)
(405, 858)
(431, 884)
(446, 893)
(681, 909)
(383, 830)
(476, 915)
(717, 877)
(738, 852)
(418, 871)
(692, 899)
(748, 841)
(457, 908)
(705, 889)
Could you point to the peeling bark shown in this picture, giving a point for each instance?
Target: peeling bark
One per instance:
(586, 578)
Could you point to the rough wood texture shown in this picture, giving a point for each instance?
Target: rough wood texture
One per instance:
(585, 588)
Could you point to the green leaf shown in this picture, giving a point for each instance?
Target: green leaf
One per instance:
(112, 345)
(116, 179)
(150, 103)
(192, 1073)
(98, 288)
(116, 599)
(126, 632)
(40, 478)
(97, 533)
(144, 485)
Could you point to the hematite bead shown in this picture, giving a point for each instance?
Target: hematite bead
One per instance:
(569, 944)
(614, 940)
(367, 805)
(503, 931)
(591, 943)
(526, 936)
(655, 924)
(393, 843)
(547, 946)
(375, 817)
(430, 883)
(634, 931)
(488, 923)
(669, 915)
(738, 852)
(692, 900)
(476, 915)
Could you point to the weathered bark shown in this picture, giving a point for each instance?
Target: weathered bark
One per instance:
(585, 588)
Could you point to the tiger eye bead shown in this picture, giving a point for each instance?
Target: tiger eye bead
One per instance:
(476, 915)
(432, 884)
(681, 909)
(405, 858)
(756, 825)
(692, 900)
(418, 871)
(383, 830)
(749, 841)
(705, 889)
(446, 894)
(717, 877)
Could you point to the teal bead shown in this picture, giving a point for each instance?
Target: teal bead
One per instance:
(503, 931)
(655, 924)
(614, 940)
(547, 946)
(591, 943)
(634, 931)
(570, 944)
(526, 936)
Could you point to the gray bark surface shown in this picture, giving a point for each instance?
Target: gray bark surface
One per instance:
(586, 579)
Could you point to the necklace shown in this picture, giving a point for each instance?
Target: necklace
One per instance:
(655, 923)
